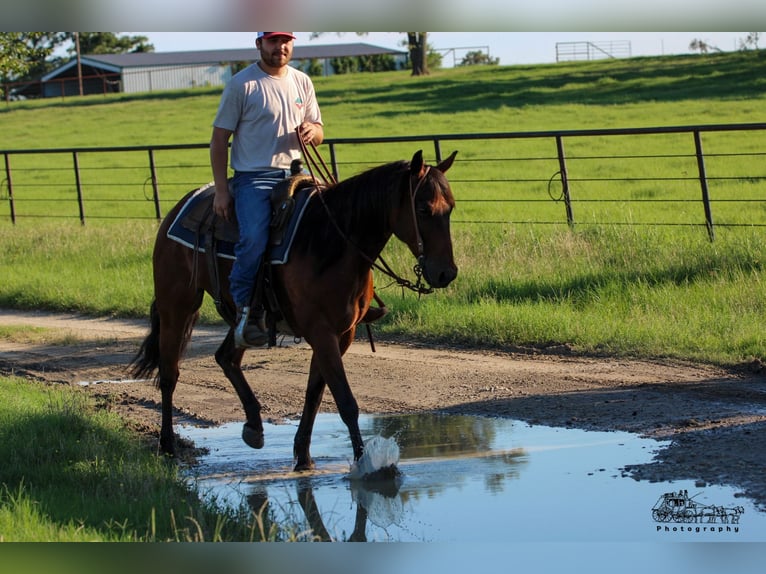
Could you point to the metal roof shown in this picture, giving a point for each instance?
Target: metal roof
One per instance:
(117, 62)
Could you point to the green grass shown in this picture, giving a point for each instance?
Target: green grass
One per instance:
(641, 291)
(646, 292)
(73, 472)
(640, 92)
(100, 269)
(696, 89)
(605, 286)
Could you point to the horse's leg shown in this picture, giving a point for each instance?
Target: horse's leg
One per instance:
(311, 510)
(175, 331)
(229, 357)
(314, 393)
(344, 398)
(327, 368)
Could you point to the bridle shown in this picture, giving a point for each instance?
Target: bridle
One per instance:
(314, 161)
(418, 287)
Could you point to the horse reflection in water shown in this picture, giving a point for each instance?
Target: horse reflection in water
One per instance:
(377, 502)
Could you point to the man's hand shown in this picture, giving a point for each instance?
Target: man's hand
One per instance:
(223, 204)
(310, 133)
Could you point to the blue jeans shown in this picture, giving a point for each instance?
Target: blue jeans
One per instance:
(252, 204)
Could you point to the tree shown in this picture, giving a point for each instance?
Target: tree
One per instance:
(29, 55)
(750, 41)
(21, 52)
(314, 67)
(24, 55)
(375, 63)
(434, 59)
(110, 43)
(417, 45)
(476, 58)
(702, 47)
(344, 65)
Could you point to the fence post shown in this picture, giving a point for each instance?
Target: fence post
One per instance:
(155, 186)
(437, 151)
(703, 185)
(79, 187)
(564, 180)
(334, 162)
(10, 187)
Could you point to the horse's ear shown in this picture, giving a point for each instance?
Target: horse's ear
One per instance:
(447, 163)
(417, 167)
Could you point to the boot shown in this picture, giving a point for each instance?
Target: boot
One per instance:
(251, 328)
(373, 314)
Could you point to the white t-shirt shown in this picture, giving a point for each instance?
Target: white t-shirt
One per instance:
(263, 112)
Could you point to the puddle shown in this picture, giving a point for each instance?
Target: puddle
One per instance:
(464, 479)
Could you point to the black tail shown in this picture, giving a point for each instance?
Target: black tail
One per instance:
(147, 359)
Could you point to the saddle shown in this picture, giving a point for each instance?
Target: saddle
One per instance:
(200, 218)
(283, 205)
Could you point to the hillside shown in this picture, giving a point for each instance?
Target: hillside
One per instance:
(625, 92)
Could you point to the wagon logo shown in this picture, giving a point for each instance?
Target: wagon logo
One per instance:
(679, 507)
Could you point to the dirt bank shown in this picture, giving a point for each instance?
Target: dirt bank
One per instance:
(716, 418)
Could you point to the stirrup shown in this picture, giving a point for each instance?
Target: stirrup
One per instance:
(249, 333)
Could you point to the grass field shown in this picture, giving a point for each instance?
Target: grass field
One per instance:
(602, 287)
(73, 472)
(511, 174)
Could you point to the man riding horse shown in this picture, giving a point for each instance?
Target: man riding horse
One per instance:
(260, 107)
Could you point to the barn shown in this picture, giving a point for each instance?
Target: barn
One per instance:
(152, 71)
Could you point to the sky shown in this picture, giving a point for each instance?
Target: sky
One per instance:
(487, 18)
(511, 47)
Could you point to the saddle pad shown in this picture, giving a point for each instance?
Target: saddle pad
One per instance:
(192, 238)
(278, 254)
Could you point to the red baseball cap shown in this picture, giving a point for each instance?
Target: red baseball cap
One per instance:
(268, 35)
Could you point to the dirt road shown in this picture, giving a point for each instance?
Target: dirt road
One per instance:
(716, 418)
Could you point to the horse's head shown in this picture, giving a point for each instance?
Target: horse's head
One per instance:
(423, 221)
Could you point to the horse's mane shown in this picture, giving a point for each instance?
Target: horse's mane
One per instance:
(359, 202)
(366, 194)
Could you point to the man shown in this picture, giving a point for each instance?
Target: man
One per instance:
(261, 107)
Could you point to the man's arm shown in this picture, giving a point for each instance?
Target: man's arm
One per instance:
(219, 161)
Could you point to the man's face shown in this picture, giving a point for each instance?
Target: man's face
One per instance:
(276, 51)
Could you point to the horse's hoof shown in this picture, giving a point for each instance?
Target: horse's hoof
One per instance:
(252, 437)
(304, 466)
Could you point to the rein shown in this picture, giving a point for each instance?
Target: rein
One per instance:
(418, 286)
(314, 161)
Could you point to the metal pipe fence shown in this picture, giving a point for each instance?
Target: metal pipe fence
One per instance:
(629, 176)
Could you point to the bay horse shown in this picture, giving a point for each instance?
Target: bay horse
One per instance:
(323, 290)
